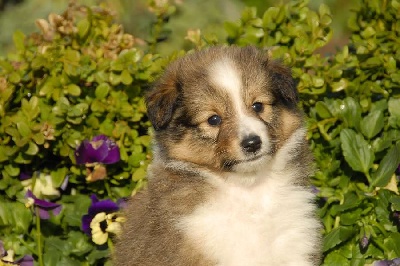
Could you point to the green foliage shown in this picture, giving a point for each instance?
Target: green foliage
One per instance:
(79, 77)
(82, 76)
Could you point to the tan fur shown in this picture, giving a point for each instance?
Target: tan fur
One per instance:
(193, 159)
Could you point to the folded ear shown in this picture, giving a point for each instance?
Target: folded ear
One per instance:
(161, 100)
(282, 82)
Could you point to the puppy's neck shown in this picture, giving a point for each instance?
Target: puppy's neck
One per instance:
(188, 169)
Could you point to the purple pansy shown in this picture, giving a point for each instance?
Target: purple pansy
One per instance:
(102, 218)
(93, 154)
(45, 207)
(107, 206)
(26, 260)
(100, 149)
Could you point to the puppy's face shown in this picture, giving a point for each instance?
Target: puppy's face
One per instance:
(225, 108)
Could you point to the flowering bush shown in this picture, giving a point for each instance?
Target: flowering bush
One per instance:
(72, 124)
(74, 135)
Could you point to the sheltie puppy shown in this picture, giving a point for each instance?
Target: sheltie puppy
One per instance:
(228, 182)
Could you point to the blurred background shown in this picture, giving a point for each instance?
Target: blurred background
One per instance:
(207, 15)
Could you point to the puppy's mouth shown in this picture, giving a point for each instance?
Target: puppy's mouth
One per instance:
(230, 163)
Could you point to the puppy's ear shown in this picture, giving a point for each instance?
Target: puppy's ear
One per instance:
(282, 82)
(162, 99)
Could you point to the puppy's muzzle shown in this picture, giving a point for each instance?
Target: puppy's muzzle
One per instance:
(251, 144)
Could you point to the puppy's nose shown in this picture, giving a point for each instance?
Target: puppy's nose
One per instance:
(251, 143)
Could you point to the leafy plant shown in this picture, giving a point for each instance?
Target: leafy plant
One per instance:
(80, 77)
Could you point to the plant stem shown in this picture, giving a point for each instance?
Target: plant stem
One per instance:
(108, 189)
(110, 245)
(39, 238)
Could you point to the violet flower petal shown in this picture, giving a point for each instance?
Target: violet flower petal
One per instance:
(26, 260)
(45, 214)
(86, 220)
(108, 151)
(29, 194)
(44, 206)
(81, 156)
(25, 176)
(94, 198)
(97, 153)
(113, 154)
(86, 153)
(98, 206)
(3, 251)
(107, 206)
(100, 149)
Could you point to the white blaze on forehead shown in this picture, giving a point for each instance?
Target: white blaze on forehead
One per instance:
(224, 75)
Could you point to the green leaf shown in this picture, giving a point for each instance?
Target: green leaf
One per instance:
(102, 90)
(393, 244)
(394, 107)
(356, 151)
(337, 236)
(351, 200)
(139, 174)
(73, 90)
(340, 85)
(335, 259)
(387, 167)
(58, 176)
(83, 28)
(33, 149)
(372, 124)
(79, 243)
(72, 55)
(126, 77)
(232, 29)
(322, 110)
(23, 129)
(3, 155)
(395, 200)
(19, 40)
(350, 112)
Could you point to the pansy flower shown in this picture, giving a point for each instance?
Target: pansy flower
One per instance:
(7, 258)
(93, 154)
(102, 219)
(45, 207)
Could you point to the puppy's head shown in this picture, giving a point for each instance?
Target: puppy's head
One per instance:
(224, 108)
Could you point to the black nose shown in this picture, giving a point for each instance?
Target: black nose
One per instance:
(251, 143)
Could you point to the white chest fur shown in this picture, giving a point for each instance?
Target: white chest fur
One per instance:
(269, 224)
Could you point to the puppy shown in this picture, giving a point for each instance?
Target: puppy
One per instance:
(228, 182)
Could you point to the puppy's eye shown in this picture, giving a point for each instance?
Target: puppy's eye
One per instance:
(258, 107)
(214, 120)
